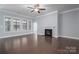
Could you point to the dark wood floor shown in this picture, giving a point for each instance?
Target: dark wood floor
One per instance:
(32, 44)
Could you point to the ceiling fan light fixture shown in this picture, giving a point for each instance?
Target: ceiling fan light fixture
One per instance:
(36, 9)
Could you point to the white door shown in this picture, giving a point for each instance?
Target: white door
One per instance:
(35, 27)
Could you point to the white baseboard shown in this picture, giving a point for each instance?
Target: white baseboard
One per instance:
(15, 35)
(55, 36)
(70, 37)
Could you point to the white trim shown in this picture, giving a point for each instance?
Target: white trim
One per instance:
(55, 36)
(69, 10)
(70, 37)
(15, 35)
(75, 9)
(48, 13)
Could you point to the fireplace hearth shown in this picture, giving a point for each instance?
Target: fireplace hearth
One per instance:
(48, 32)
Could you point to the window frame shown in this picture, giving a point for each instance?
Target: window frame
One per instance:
(10, 24)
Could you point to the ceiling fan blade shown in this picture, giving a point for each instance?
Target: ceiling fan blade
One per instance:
(42, 9)
(38, 11)
(30, 7)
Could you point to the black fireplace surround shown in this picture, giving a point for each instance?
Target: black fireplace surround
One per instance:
(48, 32)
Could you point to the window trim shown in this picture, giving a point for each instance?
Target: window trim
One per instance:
(4, 24)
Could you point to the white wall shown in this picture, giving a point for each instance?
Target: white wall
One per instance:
(78, 23)
(69, 24)
(48, 21)
(66, 24)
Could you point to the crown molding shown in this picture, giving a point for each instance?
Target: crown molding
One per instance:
(69, 11)
(11, 12)
(48, 13)
(6, 11)
(75, 9)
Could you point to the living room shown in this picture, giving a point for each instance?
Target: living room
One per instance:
(39, 28)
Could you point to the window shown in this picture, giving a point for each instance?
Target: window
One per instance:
(24, 25)
(16, 24)
(7, 24)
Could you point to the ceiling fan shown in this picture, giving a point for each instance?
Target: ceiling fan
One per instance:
(36, 8)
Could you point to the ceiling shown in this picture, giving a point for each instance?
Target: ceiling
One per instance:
(22, 8)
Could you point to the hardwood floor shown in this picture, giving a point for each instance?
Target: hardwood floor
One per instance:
(32, 44)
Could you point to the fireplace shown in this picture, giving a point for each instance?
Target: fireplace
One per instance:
(48, 32)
